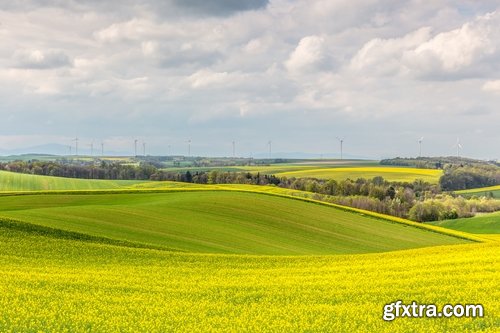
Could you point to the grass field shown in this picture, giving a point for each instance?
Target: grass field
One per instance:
(483, 191)
(11, 181)
(480, 224)
(219, 222)
(51, 284)
(399, 174)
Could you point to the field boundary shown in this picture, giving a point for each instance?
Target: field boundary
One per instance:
(40, 230)
(478, 190)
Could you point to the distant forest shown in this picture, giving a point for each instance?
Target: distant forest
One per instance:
(459, 173)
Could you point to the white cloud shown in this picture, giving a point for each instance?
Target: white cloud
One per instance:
(492, 86)
(204, 78)
(383, 56)
(464, 50)
(309, 55)
(149, 48)
(40, 59)
(259, 45)
(128, 30)
(457, 49)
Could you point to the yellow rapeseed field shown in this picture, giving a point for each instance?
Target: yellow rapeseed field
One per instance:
(399, 174)
(59, 285)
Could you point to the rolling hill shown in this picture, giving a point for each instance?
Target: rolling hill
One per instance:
(480, 224)
(221, 221)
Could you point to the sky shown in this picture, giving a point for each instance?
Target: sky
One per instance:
(298, 73)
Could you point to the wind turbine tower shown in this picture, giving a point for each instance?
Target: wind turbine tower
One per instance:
(189, 147)
(234, 149)
(102, 148)
(341, 140)
(144, 148)
(270, 148)
(135, 147)
(459, 147)
(420, 146)
(76, 146)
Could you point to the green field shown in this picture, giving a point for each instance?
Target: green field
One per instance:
(484, 191)
(11, 181)
(219, 222)
(480, 224)
(398, 174)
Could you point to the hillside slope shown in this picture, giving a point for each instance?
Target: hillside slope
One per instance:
(219, 222)
(480, 224)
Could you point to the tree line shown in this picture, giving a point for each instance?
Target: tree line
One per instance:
(83, 169)
(467, 177)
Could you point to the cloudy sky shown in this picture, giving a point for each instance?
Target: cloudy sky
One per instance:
(300, 73)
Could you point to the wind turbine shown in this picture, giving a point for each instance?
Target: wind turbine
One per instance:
(76, 146)
(459, 147)
(189, 147)
(135, 147)
(144, 148)
(234, 149)
(341, 140)
(270, 148)
(420, 146)
(102, 148)
(91, 149)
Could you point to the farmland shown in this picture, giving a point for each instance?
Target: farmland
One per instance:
(480, 224)
(219, 222)
(54, 284)
(275, 168)
(483, 191)
(397, 174)
(333, 169)
(167, 256)
(10, 181)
